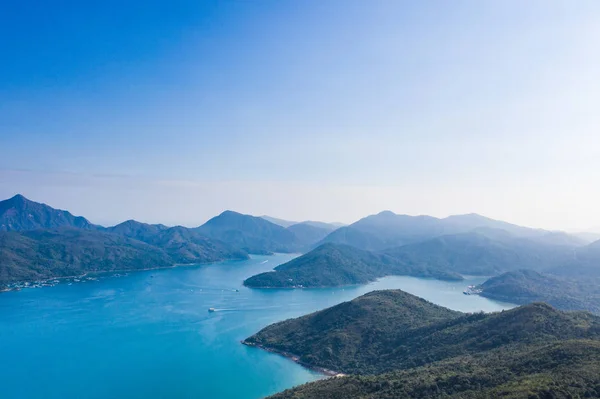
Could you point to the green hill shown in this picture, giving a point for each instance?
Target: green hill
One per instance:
(254, 235)
(389, 330)
(333, 265)
(20, 214)
(526, 286)
(395, 345)
(187, 246)
(42, 254)
(483, 253)
(183, 245)
(354, 237)
(570, 281)
(137, 230)
(565, 369)
(385, 230)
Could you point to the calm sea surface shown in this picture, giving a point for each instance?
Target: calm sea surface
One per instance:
(150, 335)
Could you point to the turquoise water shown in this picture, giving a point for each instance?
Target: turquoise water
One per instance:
(150, 335)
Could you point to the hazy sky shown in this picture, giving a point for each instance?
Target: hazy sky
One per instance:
(331, 110)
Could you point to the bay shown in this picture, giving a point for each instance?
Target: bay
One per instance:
(149, 334)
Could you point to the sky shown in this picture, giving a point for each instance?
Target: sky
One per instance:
(171, 112)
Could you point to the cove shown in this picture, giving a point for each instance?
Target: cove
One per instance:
(149, 334)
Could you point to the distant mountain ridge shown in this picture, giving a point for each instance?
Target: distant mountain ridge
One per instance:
(288, 223)
(20, 214)
(230, 235)
(250, 233)
(482, 253)
(447, 257)
(43, 242)
(279, 222)
(137, 230)
(309, 233)
(387, 230)
(431, 247)
(182, 244)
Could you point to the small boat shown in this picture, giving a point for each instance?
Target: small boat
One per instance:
(210, 310)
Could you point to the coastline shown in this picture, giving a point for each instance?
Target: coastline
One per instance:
(296, 359)
(96, 273)
(463, 278)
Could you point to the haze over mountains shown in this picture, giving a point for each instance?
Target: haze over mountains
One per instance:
(332, 265)
(394, 344)
(373, 247)
(387, 229)
(40, 242)
(20, 214)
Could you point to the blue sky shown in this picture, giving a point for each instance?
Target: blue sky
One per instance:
(174, 111)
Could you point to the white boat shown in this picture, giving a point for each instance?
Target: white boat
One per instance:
(210, 310)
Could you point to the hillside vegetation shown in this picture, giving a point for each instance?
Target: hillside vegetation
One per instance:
(388, 330)
(42, 254)
(526, 286)
(395, 345)
(252, 234)
(183, 245)
(566, 369)
(333, 265)
(20, 214)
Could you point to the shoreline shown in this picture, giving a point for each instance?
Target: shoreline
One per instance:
(465, 278)
(295, 359)
(96, 273)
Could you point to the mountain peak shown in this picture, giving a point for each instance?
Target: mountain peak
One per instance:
(20, 214)
(19, 197)
(17, 200)
(249, 233)
(229, 212)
